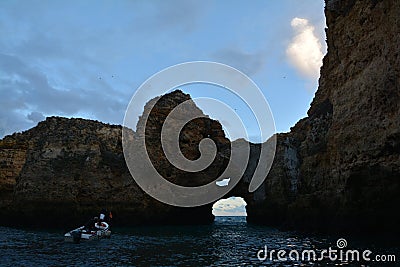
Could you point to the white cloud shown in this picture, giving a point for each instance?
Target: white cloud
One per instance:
(233, 206)
(305, 50)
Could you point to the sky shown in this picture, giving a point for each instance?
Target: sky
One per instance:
(233, 206)
(87, 58)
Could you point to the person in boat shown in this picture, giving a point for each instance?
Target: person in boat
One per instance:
(103, 213)
(90, 225)
(100, 225)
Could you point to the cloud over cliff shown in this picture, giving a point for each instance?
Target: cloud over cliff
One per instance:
(305, 50)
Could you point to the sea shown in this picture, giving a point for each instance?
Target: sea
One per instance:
(229, 241)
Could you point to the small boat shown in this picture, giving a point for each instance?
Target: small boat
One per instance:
(101, 230)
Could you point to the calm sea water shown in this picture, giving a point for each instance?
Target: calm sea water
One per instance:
(230, 241)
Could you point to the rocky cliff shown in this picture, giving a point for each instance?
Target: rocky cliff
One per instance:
(69, 169)
(339, 168)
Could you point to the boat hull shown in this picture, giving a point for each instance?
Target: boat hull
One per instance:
(81, 234)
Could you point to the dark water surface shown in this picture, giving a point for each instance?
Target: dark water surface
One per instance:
(230, 241)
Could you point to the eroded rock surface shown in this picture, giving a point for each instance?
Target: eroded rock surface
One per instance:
(340, 166)
(72, 168)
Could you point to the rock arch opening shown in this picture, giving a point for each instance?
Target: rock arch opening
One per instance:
(232, 206)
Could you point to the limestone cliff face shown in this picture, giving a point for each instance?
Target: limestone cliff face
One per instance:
(72, 168)
(62, 169)
(189, 139)
(340, 166)
(12, 159)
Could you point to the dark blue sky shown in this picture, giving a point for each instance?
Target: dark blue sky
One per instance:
(87, 58)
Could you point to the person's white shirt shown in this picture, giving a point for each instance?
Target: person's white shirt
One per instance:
(102, 216)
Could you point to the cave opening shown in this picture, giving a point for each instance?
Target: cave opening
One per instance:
(230, 207)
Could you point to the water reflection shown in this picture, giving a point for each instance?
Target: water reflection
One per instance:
(230, 241)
